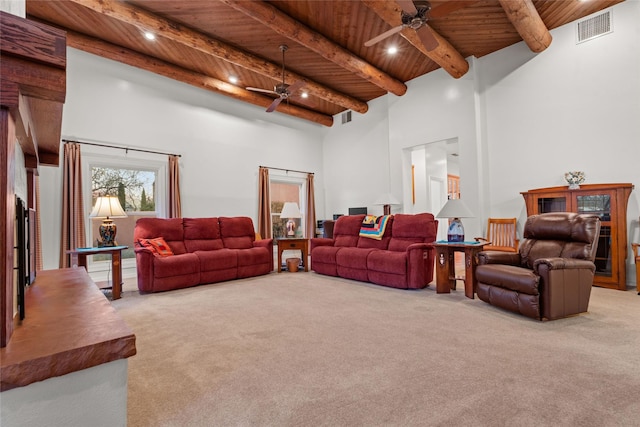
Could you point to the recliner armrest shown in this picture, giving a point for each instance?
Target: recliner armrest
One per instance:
(563, 264)
(498, 257)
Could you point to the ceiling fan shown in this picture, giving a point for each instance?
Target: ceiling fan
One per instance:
(283, 90)
(413, 16)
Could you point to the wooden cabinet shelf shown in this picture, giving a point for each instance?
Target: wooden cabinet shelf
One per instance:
(609, 202)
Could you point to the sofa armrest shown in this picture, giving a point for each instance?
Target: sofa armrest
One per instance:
(144, 268)
(498, 257)
(420, 264)
(264, 243)
(320, 241)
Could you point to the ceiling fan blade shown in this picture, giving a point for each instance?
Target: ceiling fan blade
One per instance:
(427, 38)
(257, 89)
(274, 104)
(384, 35)
(296, 86)
(408, 6)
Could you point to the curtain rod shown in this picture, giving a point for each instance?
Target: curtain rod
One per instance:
(121, 148)
(286, 170)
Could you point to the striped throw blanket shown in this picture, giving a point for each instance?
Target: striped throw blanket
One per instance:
(373, 226)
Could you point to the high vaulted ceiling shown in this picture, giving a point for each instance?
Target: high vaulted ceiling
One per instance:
(205, 42)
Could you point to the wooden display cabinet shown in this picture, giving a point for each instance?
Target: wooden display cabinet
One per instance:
(609, 202)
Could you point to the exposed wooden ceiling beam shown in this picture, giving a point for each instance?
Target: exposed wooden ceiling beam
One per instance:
(154, 65)
(285, 25)
(178, 33)
(526, 20)
(445, 55)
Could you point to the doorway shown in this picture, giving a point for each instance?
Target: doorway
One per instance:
(430, 168)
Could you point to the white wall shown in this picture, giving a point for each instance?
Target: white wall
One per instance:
(222, 141)
(572, 107)
(356, 161)
(521, 120)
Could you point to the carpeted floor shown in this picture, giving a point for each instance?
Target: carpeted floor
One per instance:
(301, 349)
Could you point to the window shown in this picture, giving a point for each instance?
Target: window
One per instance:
(282, 190)
(140, 185)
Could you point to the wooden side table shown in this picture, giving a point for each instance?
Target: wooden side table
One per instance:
(293, 244)
(446, 268)
(79, 259)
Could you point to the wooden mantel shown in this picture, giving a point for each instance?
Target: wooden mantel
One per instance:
(33, 60)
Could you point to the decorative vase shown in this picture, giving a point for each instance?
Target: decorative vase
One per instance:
(574, 186)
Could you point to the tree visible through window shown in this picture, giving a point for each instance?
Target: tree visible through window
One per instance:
(135, 189)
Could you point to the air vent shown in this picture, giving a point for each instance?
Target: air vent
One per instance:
(596, 26)
(346, 117)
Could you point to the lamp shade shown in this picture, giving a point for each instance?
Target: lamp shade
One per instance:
(454, 208)
(290, 210)
(107, 207)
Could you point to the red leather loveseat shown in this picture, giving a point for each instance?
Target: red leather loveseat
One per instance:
(204, 250)
(403, 258)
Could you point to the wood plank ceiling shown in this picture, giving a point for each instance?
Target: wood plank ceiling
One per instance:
(205, 42)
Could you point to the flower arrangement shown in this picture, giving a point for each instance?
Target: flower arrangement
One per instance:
(574, 178)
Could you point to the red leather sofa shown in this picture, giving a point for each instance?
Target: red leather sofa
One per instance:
(205, 250)
(403, 258)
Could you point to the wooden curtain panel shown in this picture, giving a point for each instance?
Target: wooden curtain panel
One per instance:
(72, 229)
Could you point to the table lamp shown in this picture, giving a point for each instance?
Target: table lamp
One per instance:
(290, 210)
(456, 209)
(107, 207)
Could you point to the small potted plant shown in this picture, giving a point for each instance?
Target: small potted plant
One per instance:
(574, 178)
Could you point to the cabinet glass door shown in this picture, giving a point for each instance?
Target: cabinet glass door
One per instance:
(600, 205)
(552, 204)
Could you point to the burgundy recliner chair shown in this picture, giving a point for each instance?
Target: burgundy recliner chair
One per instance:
(551, 275)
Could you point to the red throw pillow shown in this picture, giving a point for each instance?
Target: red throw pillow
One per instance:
(158, 246)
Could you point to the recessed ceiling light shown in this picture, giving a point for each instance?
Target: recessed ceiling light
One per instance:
(149, 35)
(392, 50)
(304, 95)
(233, 79)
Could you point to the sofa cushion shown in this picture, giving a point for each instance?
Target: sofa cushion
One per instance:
(346, 230)
(221, 259)
(201, 234)
(178, 265)
(353, 257)
(169, 228)
(388, 262)
(237, 232)
(158, 246)
(409, 229)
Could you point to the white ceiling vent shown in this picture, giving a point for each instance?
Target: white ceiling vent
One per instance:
(346, 117)
(595, 26)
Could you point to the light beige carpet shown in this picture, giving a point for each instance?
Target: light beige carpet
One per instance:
(301, 349)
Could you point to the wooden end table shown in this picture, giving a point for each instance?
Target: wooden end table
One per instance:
(79, 259)
(286, 244)
(446, 269)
